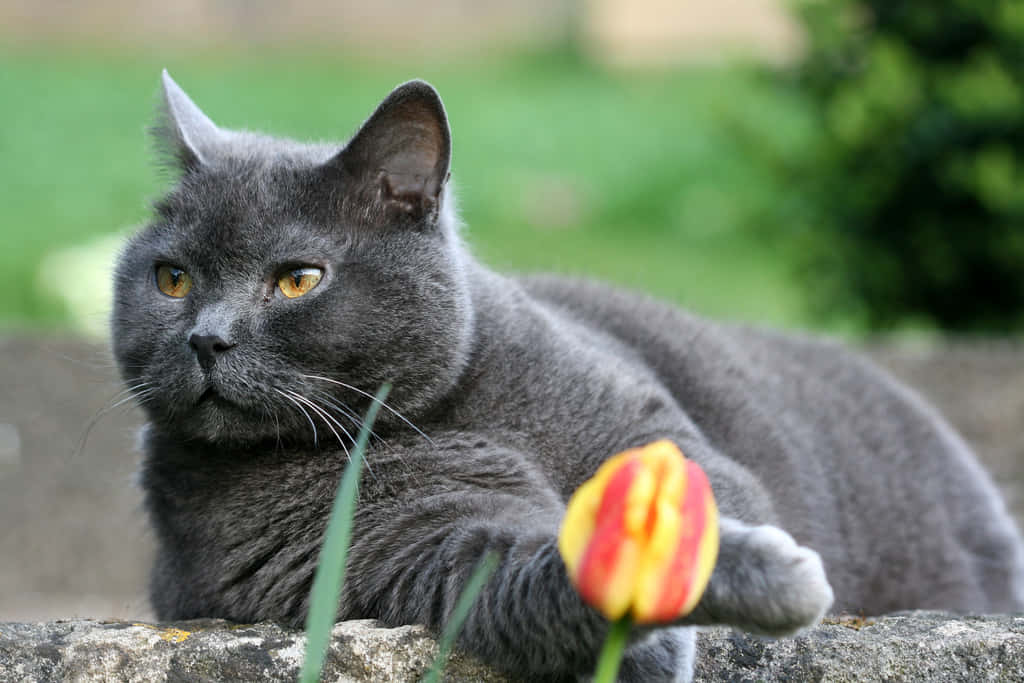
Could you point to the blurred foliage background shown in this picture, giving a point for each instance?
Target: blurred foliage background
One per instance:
(849, 165)
(916, 178)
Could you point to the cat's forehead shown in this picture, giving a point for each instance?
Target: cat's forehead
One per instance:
(245, 212)
(236, 190)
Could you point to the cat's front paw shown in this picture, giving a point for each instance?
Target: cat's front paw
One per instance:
(786, 588)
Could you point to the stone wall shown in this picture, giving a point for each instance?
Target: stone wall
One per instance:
(919, 646)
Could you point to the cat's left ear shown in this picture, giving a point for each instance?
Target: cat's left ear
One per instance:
(402, 151)
(183, 130)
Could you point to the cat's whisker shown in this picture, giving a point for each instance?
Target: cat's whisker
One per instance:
(345, 411)
(134, 397)
(143, 396)
(140, 398)
(277, 426)
(129, 389)
(299, 406)
(373, 398)
(324, 416)
(319, 400)
(328, 419)
(140, 391)
(127, 394)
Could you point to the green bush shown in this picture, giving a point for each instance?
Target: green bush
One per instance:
(916, 184)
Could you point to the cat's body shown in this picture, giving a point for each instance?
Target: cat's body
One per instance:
(523, 387)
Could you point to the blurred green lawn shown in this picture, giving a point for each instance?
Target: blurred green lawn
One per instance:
(637, 178)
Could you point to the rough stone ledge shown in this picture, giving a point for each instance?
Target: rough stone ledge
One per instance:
(913, 646)
(907, 646)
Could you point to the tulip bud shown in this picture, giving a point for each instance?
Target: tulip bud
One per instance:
(641, 536)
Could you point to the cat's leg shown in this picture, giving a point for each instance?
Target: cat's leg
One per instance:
(667, 654)
(426, 518)
(417, 538)
(763, 582)
(527, 620)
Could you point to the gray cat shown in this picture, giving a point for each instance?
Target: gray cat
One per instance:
(281, 283)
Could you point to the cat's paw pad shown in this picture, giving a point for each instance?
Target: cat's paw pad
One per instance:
(791, 589)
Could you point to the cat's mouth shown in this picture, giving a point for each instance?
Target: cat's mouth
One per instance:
(211, 395)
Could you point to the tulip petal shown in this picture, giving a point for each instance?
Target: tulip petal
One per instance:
(615, 501)
(697, 548)
(642, 535)
(654, 582)
(578, 525)
(606, 570)
(707, 555)
(605, 579)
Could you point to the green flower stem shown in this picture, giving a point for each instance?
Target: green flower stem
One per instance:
(611, 653)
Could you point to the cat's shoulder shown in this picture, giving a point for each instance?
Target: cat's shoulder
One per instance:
(619, 310)
(668, 333)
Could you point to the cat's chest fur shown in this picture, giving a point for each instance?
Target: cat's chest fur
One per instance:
(244, 527)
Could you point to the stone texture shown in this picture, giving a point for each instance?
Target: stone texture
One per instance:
(919, 646)
(85, 651)
(911, 646)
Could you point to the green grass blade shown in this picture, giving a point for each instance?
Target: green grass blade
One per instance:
(330, 571)
(473, 587)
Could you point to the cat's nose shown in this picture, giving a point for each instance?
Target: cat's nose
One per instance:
(208, 347)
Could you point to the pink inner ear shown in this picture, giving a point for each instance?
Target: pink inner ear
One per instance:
(411, 191)
(411, 156)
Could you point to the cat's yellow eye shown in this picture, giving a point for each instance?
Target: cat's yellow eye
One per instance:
(297, 282)
(173, 281)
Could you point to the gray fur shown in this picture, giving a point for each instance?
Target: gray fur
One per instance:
(523, 386)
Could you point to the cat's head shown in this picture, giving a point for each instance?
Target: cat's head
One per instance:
(274, 271)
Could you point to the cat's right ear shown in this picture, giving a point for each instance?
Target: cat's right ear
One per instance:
(182, 130)
(401, 154)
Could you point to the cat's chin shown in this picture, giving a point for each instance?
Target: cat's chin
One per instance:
(228, 435)
(214, 404)
(216, 419)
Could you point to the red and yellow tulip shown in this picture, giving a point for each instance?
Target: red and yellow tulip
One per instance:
(640, 538)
